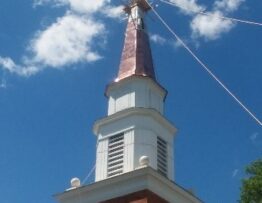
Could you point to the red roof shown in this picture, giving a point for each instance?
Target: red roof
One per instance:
(136, 56)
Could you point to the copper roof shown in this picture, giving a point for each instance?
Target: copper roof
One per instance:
(136, 56)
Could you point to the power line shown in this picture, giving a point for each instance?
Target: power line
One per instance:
(205, 67)
(213, 15)
(89, 174)
(92, 170)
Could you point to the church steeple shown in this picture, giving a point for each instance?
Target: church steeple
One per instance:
(135, 142)
(135, 128)
(136, 56)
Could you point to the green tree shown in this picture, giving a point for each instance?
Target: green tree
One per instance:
(251, 190)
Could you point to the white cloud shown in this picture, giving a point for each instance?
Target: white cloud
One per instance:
(67, 41)
(188, 6)
(210, 27)
(235, 172)
(87, 6)
(228, 5)
(254, 136)
(177, 44)
(40, 2)
(81, 6)
(70, 39)
(3, 84)
(7, 63)
(158, 39)
(12, 67)
(113, 12)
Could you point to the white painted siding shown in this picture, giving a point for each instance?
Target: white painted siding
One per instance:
(129, 151)
(141, 133)
(145, 145)
(136, 93)
(140, 130)
(155, 101)
(101, 160)
(111, 105)
(171, 161)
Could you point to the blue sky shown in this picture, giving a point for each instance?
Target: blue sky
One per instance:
(56, 58)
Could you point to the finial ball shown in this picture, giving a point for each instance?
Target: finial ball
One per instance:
(144, 161)
(75, 182)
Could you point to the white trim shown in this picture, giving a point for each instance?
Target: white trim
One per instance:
(126, 130)
(135, 111)
(154, 84)
(140, 179)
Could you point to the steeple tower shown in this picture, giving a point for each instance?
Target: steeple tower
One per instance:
(135, 142)
(135, 126)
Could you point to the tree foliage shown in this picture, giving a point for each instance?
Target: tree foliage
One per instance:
(251, 191)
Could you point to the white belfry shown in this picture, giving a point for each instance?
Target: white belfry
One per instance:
(135, 125)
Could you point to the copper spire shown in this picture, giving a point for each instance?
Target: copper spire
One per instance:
(136, 56)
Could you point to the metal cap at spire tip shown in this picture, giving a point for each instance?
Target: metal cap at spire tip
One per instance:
(143, 4)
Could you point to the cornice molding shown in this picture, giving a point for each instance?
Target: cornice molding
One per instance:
(135, 111)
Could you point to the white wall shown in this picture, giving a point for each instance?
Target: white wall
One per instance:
(129, 151)
(145, 145)
(135, 93)
(101, 160)
(140, 133)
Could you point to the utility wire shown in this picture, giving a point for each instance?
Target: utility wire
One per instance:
(92, 170)
(205, 66)
(213, 15)
(89, 174)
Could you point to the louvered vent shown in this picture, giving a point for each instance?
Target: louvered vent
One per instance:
(162, 156)
(115, 155)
